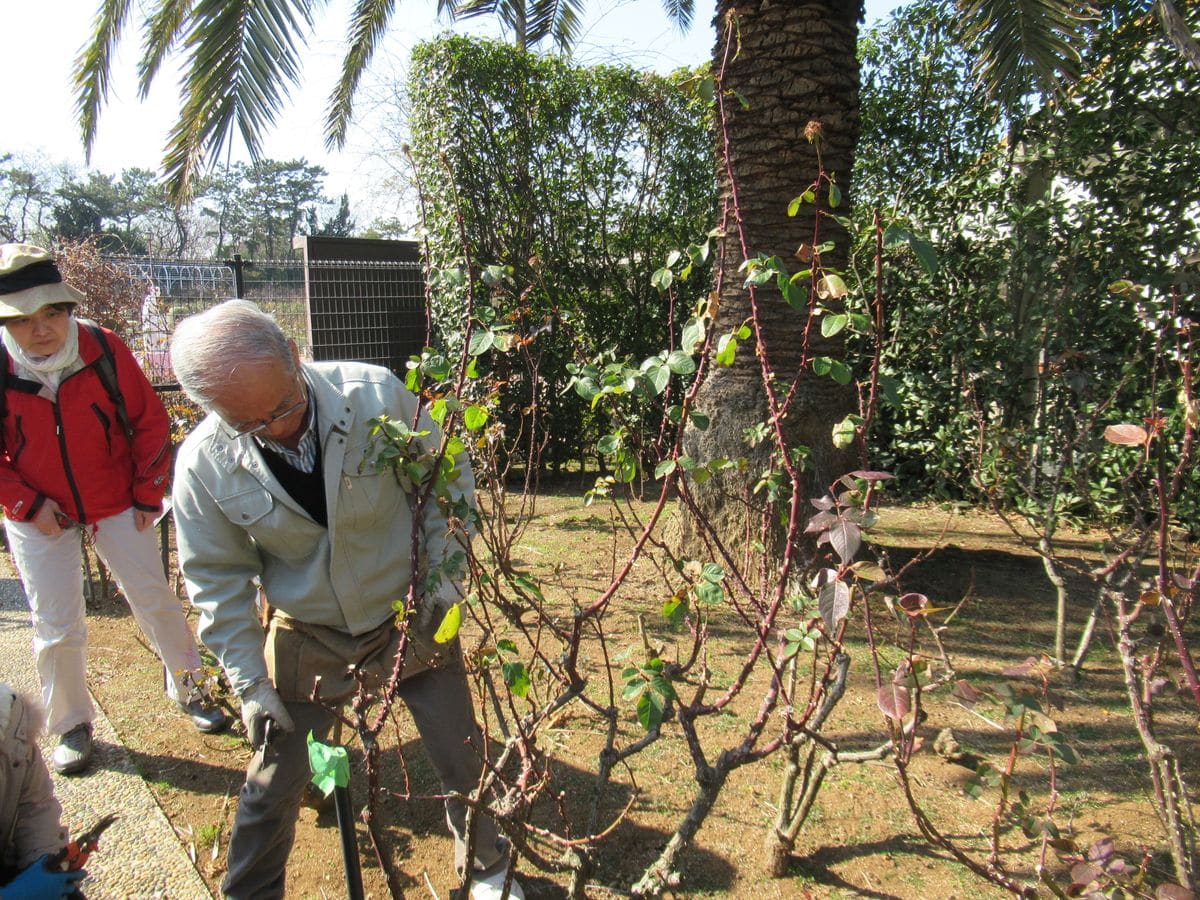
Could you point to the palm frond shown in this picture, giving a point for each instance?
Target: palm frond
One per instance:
(162, 29)
(567, 26)
(243, 57)
(1021, 45)
(450, 9)
(560, 18)
(680, 12)
(470, 9)
(367, 25)
(93, 66)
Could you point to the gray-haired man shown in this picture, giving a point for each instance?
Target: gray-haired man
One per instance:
(280, 484)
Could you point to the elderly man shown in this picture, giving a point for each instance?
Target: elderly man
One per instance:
(282, 485)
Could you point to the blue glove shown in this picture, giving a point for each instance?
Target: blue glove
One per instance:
(40, 883)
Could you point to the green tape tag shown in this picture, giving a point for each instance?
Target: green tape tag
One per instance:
(330, 765)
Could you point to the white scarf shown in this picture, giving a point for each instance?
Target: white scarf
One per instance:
(49, 370)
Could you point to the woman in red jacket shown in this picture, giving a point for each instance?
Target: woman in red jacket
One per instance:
(74, 458)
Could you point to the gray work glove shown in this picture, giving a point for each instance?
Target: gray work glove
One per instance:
(261, 702)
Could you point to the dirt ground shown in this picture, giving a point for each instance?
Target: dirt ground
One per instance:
(862, 840)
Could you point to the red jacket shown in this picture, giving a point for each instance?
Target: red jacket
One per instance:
(75, 450)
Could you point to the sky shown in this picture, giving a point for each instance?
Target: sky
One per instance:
(38, 54)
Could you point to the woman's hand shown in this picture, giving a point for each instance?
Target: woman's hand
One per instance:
(143, 520)
(46, 521)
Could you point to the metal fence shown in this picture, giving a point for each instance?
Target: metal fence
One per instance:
(369, 311)
(366, 311)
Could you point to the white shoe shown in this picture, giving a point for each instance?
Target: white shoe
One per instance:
(492, 887)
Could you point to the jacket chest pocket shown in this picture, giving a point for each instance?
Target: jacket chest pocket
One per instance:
(367, 496)
(277, 530)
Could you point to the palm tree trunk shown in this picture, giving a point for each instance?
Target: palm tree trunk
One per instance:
(791, 63)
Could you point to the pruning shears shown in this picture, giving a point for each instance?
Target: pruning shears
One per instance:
(75, 854)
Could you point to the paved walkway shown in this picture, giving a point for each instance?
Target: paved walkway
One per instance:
(140, 855)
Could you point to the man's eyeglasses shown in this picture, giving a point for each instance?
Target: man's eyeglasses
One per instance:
(264, 424)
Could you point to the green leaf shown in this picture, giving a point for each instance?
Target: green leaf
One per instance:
(662, 686)
(925, 253)
(832, 324)
(895, 234)
(681, 363)
(666, 467)
(708, 592)
(845, 432)
(494, 275)
(436, 367)
(794, 293)
(835, 196)
(650, 710)
(794, 206)
(699, 420)
(860, 323)
(674, 609)
(330, 766)
(438, 410)
(891, 392)
(659, 377)
(839, 371)
(662, 278)
(608, 443)
(693, 334)
(516, 676)
(760, 275)
(726, 351)
(475, 417)
(587, 388)
(821, 365)
(481, 341)
(713, 573)
(626, 468)
(451, 623)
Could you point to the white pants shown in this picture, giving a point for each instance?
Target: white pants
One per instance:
(51, 570)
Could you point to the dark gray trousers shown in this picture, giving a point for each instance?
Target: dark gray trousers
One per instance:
(265, 826)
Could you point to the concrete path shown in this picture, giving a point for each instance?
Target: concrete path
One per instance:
(140, 856)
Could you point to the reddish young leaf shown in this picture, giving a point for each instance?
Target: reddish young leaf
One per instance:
(912, 603)
(967, 694)
(893, 701)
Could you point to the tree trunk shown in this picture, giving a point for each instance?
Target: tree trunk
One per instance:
(796, 64)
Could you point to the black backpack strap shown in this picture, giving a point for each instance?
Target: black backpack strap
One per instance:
(106, 368)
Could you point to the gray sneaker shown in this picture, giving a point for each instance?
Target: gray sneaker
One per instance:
(206, 717)
(74, 750)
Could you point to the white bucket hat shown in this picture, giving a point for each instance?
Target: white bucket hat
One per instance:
(29, 280)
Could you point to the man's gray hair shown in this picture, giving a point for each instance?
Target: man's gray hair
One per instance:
(209, 347)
